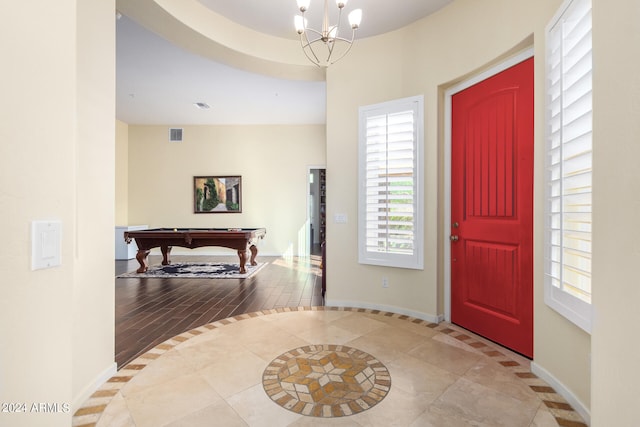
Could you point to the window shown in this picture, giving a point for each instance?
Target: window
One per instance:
(390, 175)
(568, 166)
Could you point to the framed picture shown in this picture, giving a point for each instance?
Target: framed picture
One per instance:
(217, 194)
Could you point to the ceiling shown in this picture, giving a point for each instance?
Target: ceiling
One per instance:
(158, 81)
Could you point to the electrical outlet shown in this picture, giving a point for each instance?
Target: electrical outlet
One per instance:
(385, 282)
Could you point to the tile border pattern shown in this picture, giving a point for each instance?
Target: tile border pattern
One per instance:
(91, 411)
(326, 380)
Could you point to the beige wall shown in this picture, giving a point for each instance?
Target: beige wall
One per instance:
(122, 173)
(56, 325)
(272, 160)
(426, 58)
(616, 292)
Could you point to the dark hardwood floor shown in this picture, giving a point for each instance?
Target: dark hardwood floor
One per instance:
(150, 311)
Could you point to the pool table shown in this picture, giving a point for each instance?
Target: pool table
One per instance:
(240, 239)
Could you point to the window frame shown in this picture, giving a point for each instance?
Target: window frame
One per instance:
(568, 305)
(415, 260)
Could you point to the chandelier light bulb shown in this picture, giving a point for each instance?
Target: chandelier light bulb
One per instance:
(341, 3)
(333, 33)
(355, 17)
(300, 23)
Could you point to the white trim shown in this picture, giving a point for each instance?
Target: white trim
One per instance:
(91, 388)
(306, 199)
(416, 259)
(510, 62)
(390, 308)
(563, 391)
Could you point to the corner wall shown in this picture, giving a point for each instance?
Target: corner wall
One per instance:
(616, 202)
(56, 163)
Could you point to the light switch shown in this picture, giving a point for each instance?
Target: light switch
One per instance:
(46, 244)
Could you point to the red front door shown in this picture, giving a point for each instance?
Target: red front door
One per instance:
(492, 208)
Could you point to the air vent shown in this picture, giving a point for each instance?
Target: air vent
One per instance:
(175, 134)
(202, 105)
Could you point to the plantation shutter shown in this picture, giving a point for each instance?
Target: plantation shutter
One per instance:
(390, 172)
(569, 153)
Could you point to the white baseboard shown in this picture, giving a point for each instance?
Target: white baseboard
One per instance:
(563, 391)
(82, 397)
(393, 309)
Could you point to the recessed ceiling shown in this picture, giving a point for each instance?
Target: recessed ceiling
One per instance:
(159, 82)
(275, 17)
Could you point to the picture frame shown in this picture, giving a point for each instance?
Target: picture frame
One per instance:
(217, 194)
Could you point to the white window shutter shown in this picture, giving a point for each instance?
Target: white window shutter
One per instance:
(390, 218)
(569, 163)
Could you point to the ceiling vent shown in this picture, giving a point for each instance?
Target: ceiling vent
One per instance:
(175, 134)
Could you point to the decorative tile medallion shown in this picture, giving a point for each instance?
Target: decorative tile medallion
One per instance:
(326, 380)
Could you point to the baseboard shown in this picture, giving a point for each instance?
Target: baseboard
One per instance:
(563, 391)
(82, 397)
(393, 309)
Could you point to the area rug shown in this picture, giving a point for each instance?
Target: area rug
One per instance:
(197, 270)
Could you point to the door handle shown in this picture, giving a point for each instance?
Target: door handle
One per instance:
(453, 238)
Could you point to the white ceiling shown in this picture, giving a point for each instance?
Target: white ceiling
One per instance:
(158, 82)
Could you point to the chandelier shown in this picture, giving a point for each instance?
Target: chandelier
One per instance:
(326, 47)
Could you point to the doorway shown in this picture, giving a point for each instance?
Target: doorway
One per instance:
(317, 209)
(490, 221)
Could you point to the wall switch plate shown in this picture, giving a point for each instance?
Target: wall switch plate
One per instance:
(46, 244)
(340, 218)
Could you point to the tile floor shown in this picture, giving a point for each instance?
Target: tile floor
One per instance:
(441, 375)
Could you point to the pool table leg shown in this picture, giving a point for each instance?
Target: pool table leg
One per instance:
(166, 252)
(254, 253)
(141, 256)
(242, 254)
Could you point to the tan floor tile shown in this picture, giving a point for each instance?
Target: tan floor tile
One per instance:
(419, 378)
(481, 404)
(314, 316)
(453, 359)
(257, 410)
(327, 334)
(324, 422)
(270, 345)
(358, 324)
(493, 375)
(234, 374)
(164, 369)
(218, 414)
(417, 328)
(443, 417)
(209, 351)
(399, 408)
(171, 401)
(388, 343)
